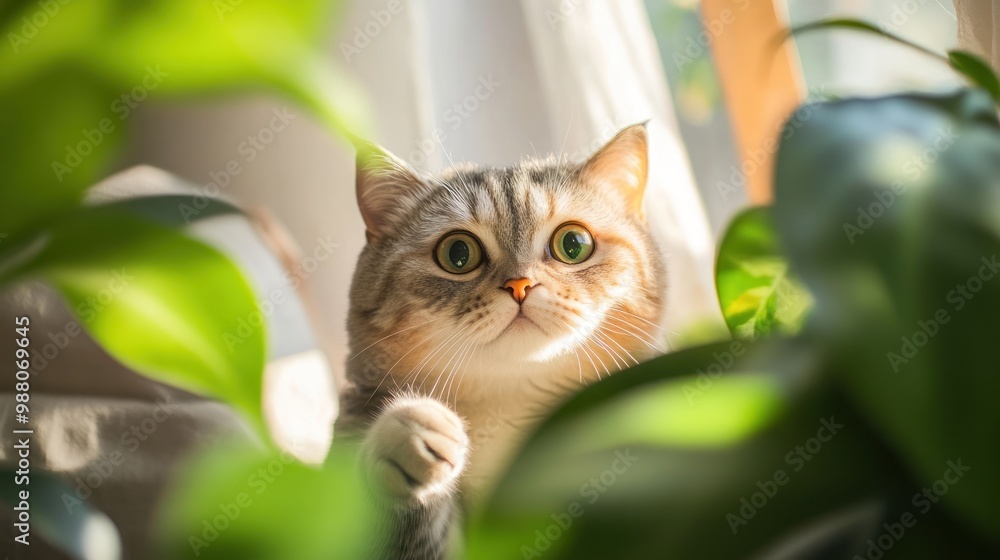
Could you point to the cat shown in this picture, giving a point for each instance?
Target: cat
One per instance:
(485, 297)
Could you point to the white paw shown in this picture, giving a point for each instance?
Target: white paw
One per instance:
(416, 449)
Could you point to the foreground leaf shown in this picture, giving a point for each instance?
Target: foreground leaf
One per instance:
(614, 476)
(888, 209)
(166, 305)
(757, 293)
(247, 504)
(76, 80)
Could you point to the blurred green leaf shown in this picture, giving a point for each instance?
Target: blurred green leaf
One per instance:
(166, 305)
(247, 504)
(856, 25)
(889, 211)
(757, 293)
(976, 70)
(74, 67)
(581, 489)
(80, 531)
(59, 147)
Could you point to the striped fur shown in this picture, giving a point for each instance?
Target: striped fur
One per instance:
(417, 330)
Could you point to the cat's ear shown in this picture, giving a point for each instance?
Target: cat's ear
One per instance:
(386, 186)
(621, 165)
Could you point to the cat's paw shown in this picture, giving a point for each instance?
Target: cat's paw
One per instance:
(416, 449)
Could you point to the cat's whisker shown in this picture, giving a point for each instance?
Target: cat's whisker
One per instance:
(459, 371)
(634, 330)
(463, 368)
(458, 348)
(623, 349)
(451, 163)
(613, 354)
(366, 348)
(643, 319)
(425, 340)
(389, 371)
(629, 319)
(452, 349)
(583, 346)
(579, 364)
(569, 127)
(415, 372)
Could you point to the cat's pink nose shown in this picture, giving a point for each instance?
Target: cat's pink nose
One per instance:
(518, 288)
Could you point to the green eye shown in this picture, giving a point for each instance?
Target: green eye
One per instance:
(458, 253)
(572, 244)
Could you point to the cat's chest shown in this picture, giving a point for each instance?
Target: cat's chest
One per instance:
(497, 426)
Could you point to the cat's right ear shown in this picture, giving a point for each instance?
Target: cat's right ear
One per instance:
(386, 187)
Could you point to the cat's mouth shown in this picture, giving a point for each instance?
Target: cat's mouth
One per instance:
(521, 321)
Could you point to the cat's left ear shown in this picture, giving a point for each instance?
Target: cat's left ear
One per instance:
(386, 188)
(621, 165)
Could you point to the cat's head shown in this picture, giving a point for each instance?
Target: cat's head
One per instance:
(505, 270)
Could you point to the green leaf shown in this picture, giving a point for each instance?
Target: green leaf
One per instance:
(888, 210)
(857, 25)
(60, 146)
(969, 65)
(248, 504)
(976, 70)
(78, 529)
(164, 304)
(92, 63)
(651, 462)
(184, 46)
(757, 293)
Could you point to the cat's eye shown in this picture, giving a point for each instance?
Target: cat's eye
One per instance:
(572, 243)
(458, 253)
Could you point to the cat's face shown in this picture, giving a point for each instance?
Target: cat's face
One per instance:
(504, 268)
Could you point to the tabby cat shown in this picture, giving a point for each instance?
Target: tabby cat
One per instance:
(484, 297)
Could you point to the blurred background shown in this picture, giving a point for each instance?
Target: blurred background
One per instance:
(219, 95)
(432, 55)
